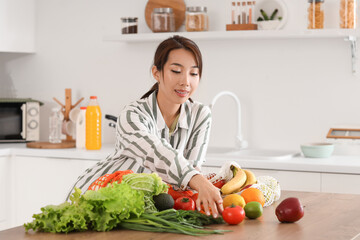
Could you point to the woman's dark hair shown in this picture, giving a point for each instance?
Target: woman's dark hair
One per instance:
(163, 51)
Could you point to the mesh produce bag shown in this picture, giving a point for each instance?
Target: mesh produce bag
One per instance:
(270, 187)
(103, 181)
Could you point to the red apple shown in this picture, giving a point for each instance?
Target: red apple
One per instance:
(289, 210)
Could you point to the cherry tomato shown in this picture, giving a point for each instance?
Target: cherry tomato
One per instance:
(178, 193)
(184, 203)
(219, 184)
(233, 215)
(195, 196)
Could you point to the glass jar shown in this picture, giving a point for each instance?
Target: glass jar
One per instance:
(315, 14)
(162, 20)
(55, 123)
(196, 19)
(347, 13)
(129, 25)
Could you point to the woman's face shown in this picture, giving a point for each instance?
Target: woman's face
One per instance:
(179, 78)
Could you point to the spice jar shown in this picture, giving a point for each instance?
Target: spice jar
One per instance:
(162, 20)
(348, 14)
(129, 25)
(196, 19)
(316, 14)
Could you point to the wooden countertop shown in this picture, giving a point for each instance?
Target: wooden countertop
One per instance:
(327, 216)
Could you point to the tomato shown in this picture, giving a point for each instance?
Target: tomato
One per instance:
(184, 203)
(233, 215)
(178, 193)
(220, 183)
(195, 196)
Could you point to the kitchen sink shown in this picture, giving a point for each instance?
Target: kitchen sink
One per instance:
(251, 153)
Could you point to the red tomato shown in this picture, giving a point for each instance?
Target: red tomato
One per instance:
(178, 193)
(233, 215)
(219, 184)
(184, 203)
(195, 196)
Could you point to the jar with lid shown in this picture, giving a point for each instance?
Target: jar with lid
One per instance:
(162, 20)
(315, 14)
(196, 19)
(129, 25)
(347, 13)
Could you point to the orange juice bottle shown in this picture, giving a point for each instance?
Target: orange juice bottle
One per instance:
(93, 125)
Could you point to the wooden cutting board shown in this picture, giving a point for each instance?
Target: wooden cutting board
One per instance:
(49, 145)
(178, 7)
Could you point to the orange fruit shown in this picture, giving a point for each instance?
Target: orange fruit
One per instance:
(235, 199)
(253, 195)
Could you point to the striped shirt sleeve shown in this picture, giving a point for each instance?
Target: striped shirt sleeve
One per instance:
(199, 137)
(138, 140)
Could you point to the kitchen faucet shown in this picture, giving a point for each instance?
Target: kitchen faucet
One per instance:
(239, 141)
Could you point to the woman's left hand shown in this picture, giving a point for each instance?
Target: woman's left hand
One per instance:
(209, 195)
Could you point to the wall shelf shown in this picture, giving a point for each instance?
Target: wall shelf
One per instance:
(345, 34)
(233, 35)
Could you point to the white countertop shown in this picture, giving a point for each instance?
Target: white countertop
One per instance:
(334, 164)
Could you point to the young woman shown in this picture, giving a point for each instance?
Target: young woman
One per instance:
(165, 131)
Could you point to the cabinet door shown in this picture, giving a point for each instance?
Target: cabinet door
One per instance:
(292, 180)
(42, 181)
(17, 26)
(5, 194)
(340, 183)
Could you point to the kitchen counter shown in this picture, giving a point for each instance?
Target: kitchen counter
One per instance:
(333, 164)
(327, 216)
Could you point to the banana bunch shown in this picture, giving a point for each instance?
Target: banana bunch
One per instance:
(242, 178)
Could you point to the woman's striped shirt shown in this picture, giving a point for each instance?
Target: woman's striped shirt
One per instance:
(143, 143)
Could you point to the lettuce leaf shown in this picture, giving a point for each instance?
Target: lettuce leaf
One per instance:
(100, 210)
(149, 184)
(108, 206)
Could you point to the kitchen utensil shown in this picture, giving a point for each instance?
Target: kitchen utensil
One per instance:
(317, 150)
(178, 7)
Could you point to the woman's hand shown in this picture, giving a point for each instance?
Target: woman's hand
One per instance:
(209, 195)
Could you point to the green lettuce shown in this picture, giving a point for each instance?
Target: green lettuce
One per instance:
(149, 184)
(100, 210)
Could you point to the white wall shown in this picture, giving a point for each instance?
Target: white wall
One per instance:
(292, 90)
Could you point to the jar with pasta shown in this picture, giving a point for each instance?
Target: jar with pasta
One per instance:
(347, 13)
(196, 19)
(315, 14)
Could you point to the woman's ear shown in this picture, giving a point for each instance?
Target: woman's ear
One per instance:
(155, 73)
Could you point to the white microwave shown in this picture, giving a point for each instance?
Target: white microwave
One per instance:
(19, 120)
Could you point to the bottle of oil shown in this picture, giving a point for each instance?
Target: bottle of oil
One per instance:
(93, 125)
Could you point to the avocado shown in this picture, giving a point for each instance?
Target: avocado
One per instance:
(163, 201)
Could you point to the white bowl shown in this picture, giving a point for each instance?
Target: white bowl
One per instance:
(317, 150)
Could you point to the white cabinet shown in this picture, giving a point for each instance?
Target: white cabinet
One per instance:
(17, 26)
(294, 181)
(4, 192)
(42, 181)
(340, 183)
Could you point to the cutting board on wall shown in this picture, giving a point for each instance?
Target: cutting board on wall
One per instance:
(178, 7)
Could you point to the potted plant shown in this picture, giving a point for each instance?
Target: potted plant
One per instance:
(269, 23)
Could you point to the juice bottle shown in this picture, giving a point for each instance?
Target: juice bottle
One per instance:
(93, 125)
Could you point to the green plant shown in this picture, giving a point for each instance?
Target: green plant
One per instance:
(265, 17)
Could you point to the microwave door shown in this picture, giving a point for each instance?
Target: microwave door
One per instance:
(12, 120)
